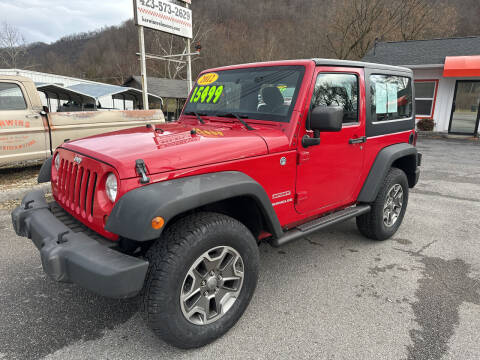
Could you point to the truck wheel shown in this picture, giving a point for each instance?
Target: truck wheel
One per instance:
(388, 209)
(203, 272)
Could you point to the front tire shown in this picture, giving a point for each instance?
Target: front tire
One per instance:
(388, 209)
(203, 273)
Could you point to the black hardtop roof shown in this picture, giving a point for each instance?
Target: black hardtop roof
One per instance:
(361, 64)
(321, 62)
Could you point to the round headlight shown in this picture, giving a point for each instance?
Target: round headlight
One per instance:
(111, 187)
(57, 161)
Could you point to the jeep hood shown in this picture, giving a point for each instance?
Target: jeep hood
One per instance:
(167, 147)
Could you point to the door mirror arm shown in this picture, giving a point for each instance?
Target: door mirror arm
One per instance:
(311, 141)
(322, 118)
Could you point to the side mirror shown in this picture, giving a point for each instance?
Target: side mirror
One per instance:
(326, 119)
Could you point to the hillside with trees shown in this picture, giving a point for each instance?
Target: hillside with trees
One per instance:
(246, 31)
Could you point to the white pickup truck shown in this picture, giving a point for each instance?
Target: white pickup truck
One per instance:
(28, 132)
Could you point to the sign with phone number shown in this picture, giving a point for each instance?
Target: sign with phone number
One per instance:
(163, 16)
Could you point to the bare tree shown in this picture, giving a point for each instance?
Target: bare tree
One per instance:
(171, 45)
(421, 18)
(233, 32)
(12, 45)
(356, 24)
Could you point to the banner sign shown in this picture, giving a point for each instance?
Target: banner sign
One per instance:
(163, 16)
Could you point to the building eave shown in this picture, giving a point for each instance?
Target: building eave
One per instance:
(424, 66)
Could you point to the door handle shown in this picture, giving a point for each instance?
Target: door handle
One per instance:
(359, 140)
(32, 116)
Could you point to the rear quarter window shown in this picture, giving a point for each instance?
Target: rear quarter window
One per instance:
(390, 97)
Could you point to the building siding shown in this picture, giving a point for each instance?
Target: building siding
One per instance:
(445, 95)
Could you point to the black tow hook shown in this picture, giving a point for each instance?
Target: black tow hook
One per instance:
(60, 239)
(27, 204)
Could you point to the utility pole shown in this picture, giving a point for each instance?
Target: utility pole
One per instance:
(189, 62)
(143, 67)
(179, 23)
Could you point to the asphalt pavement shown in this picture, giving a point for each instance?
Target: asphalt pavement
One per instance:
(332, 295)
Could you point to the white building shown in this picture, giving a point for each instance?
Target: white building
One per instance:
(447, 79)
(55, 90)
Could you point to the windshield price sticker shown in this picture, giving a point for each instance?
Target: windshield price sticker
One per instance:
(206, 94)
(207, 79)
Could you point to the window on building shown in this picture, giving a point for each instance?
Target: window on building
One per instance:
(425, 98)
(390, 97)
(11, 97)
(338, 90)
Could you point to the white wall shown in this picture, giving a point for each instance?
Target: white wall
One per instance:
(445, 94)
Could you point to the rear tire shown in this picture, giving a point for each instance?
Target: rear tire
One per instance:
(388, 209)
(203, 272)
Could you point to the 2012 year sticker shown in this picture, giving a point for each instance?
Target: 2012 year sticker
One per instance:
(207, 79)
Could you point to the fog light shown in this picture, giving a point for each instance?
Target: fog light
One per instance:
(158, 222)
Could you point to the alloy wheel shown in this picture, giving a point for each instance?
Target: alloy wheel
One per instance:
(212, 285)
(393, 205)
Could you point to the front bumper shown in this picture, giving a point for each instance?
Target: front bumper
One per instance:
(74, 256)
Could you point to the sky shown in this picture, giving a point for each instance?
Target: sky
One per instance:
(49, 20)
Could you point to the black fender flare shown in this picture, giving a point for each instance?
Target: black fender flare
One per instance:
(132, 214)
(382, 164)
(45, 171)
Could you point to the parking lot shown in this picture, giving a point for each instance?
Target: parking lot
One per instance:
(332, 295)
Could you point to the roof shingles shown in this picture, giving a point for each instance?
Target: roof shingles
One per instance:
(166, 88)
(422, 52)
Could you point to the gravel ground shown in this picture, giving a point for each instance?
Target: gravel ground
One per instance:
(333, 295)
(16, 182)
(14, 178)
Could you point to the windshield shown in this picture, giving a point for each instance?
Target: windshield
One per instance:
(263, 93)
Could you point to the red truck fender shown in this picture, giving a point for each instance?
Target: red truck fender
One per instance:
(132, 215)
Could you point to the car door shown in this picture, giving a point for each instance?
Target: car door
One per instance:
(328, 174)
(23, 135)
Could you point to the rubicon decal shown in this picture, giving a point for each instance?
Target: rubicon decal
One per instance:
(281, 194)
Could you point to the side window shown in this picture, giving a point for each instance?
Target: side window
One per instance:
(11, 97)
(338, 90)
(390, 97)
(425, 97)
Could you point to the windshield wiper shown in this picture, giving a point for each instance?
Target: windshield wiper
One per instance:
(238, 117)
(197, 115)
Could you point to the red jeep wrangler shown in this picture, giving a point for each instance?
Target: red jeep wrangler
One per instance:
(262, 152)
